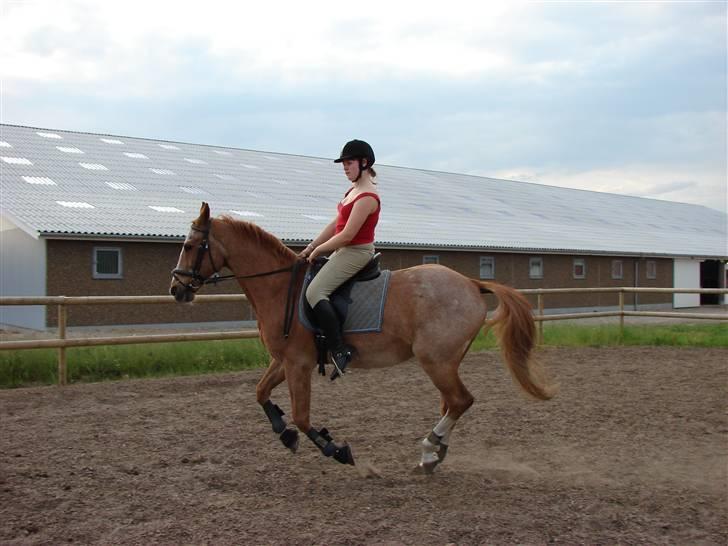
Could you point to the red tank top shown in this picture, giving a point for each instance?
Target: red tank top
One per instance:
(366, 232)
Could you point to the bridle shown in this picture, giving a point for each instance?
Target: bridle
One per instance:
(197, 279)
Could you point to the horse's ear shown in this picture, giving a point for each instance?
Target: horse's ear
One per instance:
(204, 218)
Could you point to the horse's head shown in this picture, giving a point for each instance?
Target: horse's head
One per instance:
(200, 258)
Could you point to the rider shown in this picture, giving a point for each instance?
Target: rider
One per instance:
(350, 235)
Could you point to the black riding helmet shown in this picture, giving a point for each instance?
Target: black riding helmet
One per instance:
(357, 149)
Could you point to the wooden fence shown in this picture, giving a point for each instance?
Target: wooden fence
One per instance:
(62, 342)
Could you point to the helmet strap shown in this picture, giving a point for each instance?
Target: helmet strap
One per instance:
(362, 168)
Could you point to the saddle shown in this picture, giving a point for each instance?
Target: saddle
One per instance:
(341, 299)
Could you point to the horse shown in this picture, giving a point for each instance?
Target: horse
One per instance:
(432, 313)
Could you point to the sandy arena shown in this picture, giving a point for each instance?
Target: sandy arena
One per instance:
(633, 450)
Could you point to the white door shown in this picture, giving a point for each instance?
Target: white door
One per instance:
(686, 275)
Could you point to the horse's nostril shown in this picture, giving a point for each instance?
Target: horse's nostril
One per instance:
(173, 290)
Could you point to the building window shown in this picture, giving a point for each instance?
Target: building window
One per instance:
(107, 263)
(651, 269)
(487, 267)
(617, 269)
(535, 268)
(430, 259)
(579, 268)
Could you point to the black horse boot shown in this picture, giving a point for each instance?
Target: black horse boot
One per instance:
(328, 321)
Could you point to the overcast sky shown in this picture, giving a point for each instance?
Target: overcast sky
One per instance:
(623, 97)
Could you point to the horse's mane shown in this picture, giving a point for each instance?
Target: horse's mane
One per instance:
(249, 230)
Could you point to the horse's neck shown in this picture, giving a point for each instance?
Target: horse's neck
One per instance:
(249, 256)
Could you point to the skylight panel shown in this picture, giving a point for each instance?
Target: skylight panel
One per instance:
(16, 160)
(222, 152)
(248, 166)
(121, 186)
(169, 146)
(315, 217)
(69, 150)
(75, 204)
(42, 180)
(48, 135)
(282, 182)
(111, 141)
(195, 161)
(93, 166)
(190, 189)
(165, 209)
(162, 171)
(246, 213)
(225, 176)
(272, 158)
(4, 144)
(135, 155)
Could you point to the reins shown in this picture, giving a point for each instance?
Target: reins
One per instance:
(196, 276)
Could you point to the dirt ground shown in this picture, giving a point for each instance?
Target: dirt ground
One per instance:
(633, 450)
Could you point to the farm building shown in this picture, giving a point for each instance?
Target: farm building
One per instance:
(94, 214)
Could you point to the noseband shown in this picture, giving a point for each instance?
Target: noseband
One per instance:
(196, 278)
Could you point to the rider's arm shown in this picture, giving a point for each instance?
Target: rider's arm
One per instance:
(362, 208)
(325, 235)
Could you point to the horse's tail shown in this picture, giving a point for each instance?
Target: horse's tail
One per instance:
(516, 331)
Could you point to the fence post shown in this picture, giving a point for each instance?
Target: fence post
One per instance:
(62, 369)
(540, 322)
(621, 315)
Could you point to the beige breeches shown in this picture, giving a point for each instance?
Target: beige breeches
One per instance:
(343, 264)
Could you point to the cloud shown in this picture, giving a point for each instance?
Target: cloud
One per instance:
(582, 91)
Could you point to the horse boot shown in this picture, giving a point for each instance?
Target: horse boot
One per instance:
(341, 353)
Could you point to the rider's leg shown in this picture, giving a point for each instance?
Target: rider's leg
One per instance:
(342, 265)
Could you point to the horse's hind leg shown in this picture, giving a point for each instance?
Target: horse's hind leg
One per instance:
(454, 401)
(274, 376)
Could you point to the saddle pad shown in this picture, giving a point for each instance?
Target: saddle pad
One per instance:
(366, 311)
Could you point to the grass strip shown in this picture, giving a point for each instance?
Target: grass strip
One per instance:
(88, 364)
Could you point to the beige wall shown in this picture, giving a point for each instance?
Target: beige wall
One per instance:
(147, 266)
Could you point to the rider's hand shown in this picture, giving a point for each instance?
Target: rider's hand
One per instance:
(304, 254)
(315, 253)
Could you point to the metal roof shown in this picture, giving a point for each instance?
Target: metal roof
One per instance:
(60, 183)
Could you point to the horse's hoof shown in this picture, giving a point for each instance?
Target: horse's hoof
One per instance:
(343, 455)
(426, 468)
(289, 437)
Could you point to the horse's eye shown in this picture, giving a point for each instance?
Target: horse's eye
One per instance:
(188, 247)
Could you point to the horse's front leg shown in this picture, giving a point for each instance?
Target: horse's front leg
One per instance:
(274, 376)
(299, 386)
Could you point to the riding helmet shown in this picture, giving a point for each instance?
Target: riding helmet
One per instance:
(357, 149)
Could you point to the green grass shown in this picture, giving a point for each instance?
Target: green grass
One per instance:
(608, 335)
(39, 366)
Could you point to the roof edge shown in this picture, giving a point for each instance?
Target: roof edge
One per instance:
(397, 246)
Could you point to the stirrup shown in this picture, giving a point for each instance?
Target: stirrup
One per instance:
(348, 354)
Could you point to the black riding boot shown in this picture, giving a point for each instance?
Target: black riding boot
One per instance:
(328, 321)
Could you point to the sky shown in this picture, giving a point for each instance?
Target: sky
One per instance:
(621, 97)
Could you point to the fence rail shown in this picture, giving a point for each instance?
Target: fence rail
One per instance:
(61, 343)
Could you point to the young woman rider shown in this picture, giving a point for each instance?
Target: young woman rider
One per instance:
(350, 236)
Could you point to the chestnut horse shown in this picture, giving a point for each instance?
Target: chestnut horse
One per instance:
(432, 313)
